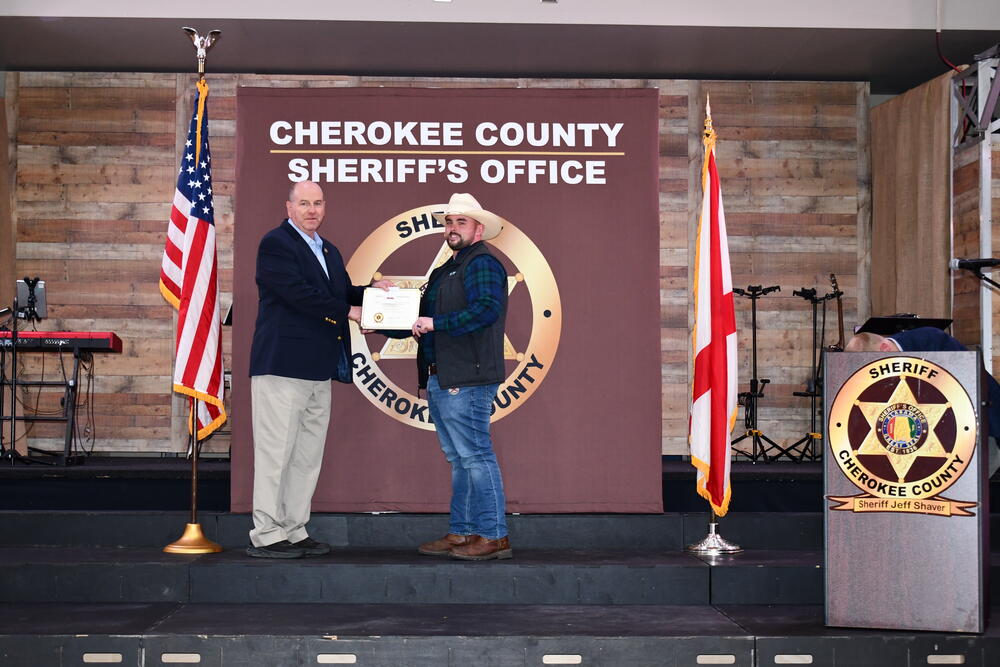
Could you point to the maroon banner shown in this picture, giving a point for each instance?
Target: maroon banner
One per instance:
(577, 423)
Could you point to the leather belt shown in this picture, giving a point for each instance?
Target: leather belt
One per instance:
(432, 369)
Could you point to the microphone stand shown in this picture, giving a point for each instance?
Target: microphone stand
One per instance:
(978, 273)
(975, 267)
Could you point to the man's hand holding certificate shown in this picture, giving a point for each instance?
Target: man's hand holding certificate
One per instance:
(393, 308)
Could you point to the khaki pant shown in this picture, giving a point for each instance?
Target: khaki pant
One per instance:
(290, 419)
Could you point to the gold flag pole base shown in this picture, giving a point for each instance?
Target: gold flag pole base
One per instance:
(193, 541)
(713, 544)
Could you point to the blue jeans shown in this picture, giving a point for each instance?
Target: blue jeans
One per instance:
(462, 419)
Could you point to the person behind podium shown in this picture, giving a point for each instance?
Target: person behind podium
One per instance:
(932, 339)
(301, 344)
(460, 361)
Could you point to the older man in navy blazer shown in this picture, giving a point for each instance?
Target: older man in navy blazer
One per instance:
(301, 343)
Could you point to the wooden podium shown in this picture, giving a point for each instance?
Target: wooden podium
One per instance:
(907, 511)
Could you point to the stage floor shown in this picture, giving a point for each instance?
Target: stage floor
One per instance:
(385, 635)
(85, 582)
(607, 590)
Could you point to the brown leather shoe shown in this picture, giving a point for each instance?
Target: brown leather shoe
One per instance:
(484, 549)
(444, 546)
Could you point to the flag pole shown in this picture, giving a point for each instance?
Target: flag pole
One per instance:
(713, 544)
(713, 344)
(193, 541)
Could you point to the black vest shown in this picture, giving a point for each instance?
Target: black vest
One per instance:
(475, 358)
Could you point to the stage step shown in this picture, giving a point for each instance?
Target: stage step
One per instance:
(376, 576)
(427, 635)
(618, 590)
(752, 530)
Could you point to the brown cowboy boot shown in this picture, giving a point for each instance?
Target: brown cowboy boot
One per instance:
(484, 549)
(444, 546)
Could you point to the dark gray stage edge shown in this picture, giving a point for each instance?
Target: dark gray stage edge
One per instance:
(369, 576)
(117, 558)
(575, 559)
(230, 635)
(903, 569)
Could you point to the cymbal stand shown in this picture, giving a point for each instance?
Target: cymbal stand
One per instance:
(748, 399)
(809, 447)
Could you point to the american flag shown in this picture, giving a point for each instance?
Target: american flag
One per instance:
(189, 276)
(713, 395)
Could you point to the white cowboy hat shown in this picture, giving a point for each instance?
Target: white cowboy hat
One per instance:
(462, 203)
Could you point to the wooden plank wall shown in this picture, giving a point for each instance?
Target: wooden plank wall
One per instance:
(965, 243)
(95, 169)
(96, 159)
(6, 199)
(7, 235)
(965, 220)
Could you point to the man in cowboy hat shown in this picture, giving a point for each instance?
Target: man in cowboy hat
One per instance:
(460, 361)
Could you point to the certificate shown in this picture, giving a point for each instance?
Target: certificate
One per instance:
(394, 308)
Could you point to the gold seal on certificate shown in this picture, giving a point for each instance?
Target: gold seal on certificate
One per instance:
(394, 308)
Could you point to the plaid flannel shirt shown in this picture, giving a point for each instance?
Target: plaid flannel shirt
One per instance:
(485, 284)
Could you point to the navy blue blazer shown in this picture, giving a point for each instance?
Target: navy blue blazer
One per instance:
(301, 329)
(932, 339)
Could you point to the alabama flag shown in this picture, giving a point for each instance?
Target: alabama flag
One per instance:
(713, 394)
